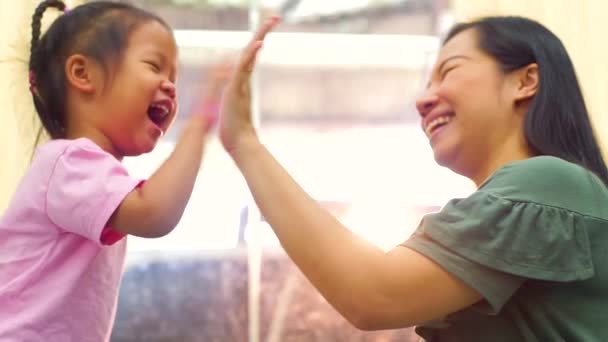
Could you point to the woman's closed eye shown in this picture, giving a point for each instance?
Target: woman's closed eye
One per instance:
(446, 71)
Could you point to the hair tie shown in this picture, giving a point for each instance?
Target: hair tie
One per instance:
(210, 110)
(32, 79)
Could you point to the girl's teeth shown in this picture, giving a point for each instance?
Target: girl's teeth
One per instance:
(164, 109)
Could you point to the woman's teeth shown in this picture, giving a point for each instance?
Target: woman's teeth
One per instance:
(442, 120)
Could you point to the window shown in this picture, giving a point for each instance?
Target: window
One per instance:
(334, 98)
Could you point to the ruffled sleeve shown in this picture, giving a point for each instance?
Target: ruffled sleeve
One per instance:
(526, 222)
(521, 238)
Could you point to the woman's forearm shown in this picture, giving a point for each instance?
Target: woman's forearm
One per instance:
(343, 266)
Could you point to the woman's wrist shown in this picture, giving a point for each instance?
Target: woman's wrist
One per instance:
(246, 146)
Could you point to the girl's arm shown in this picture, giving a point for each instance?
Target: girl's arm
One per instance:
(155, 208)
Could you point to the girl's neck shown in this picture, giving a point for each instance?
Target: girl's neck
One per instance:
(96, 136)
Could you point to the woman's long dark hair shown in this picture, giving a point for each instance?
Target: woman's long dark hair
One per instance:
(557, 123)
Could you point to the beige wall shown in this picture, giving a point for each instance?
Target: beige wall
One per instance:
(582, 26)
(17, 117)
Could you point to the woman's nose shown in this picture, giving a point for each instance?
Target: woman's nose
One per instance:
(426, 103)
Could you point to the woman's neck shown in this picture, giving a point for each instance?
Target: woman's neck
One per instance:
(499, 159)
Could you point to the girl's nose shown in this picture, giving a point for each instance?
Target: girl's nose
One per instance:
(168, 88)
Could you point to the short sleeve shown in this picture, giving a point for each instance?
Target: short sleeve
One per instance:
(85, 188)
(495, 287)
(493, 240)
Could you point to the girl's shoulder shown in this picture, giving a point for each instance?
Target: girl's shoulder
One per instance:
(75, 150)
(60, 146)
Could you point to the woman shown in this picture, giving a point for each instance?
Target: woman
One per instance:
(523, 258)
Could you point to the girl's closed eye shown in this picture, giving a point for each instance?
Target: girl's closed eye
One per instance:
(154, 66)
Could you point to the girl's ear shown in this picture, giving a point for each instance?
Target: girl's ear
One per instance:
(82, 73)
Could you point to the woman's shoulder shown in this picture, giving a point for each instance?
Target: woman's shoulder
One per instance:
(533, 218)
(550, 181)
(543, 169)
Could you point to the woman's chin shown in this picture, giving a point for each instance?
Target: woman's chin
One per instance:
(441, 160)
(443, 155)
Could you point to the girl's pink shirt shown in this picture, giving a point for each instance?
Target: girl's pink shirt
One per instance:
(60, 265)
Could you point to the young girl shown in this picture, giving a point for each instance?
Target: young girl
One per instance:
(523, 258)
(103, 83)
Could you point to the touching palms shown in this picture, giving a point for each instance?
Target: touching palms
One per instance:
(236, 124)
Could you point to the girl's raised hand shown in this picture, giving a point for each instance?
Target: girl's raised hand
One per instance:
(208, 104)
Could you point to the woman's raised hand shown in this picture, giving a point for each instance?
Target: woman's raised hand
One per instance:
(236, 124)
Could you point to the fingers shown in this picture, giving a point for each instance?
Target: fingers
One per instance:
(222, 71)
(249, 55)
(219, 76)
(268, 25)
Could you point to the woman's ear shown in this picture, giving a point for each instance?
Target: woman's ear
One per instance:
(527, 82)
(81, 73)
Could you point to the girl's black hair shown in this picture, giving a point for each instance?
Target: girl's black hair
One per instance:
(99, 30)
(557, 123)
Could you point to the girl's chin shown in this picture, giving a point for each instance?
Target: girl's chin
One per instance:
(141, 148)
